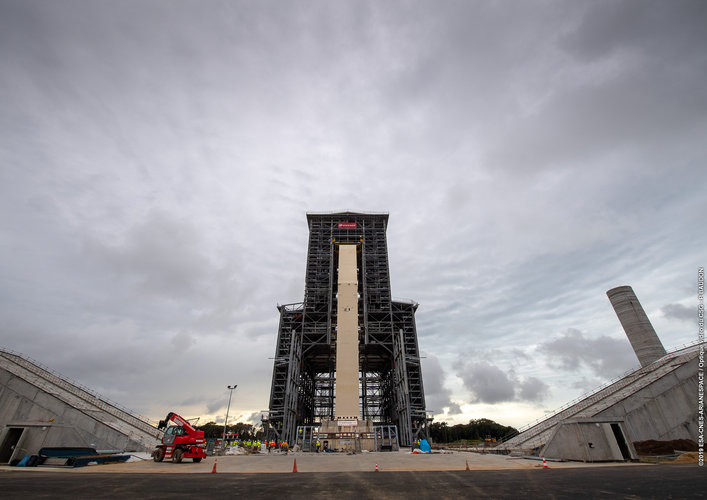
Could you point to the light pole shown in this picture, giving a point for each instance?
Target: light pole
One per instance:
(227, 409)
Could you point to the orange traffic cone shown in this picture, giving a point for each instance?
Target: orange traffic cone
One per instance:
(376, 466)
(294, 469)
(213, 470)
(467, 465)
(545, 463)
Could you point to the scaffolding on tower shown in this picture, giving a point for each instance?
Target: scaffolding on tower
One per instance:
(391, 392)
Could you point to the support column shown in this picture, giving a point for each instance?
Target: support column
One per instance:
(638, 328)
(347, 397)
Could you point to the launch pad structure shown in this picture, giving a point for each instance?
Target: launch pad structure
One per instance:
(347, 364)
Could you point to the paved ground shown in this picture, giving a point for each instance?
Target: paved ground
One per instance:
(335, 462)
(632, 482)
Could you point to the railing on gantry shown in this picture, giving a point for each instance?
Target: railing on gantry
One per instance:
(590, 397)
(81, 391)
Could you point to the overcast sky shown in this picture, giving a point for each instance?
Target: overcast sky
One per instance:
(157, 160)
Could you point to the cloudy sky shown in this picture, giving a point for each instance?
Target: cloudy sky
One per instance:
(157, 160)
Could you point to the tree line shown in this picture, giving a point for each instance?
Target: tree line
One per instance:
(440, 432)
(475, 430)
(246, 432)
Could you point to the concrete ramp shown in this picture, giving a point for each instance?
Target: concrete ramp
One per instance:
(36, 400)
(653, 402)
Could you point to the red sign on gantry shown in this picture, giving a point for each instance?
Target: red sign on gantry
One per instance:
(347, 225)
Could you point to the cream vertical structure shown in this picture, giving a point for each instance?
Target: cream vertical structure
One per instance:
(347, 398)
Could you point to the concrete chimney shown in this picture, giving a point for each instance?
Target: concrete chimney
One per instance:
(638, 328)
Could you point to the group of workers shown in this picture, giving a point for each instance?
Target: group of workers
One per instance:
(256, 445)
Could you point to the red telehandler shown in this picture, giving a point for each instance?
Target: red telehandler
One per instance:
(179, 441)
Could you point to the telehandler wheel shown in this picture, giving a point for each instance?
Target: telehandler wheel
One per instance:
(158, 454)
(177, 455)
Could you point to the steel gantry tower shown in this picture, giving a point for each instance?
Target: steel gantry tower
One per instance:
(304, 373)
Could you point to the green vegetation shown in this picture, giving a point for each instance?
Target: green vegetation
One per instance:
(478, 430)
(246, 432)
(440, 432)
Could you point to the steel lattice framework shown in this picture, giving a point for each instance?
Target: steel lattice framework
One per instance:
(304, 371)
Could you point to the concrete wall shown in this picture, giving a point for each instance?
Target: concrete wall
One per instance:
(590, 440)
(36, 436)
(22, 402)
(664, 410)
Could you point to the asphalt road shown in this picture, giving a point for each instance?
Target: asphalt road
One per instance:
(660, 481)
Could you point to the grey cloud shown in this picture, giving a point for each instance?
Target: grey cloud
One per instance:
(453, 409)
(489, 384)
(605, 356)
(585, 121)
(215, 405)
(437, 397)
(196, 399)
(183, 341)
(587, 385)
(255, 418)
(519, 354)
(679, 311)
(647, 26)
(163, 256)
(608, 91)
(533, 389)
(528, 154)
